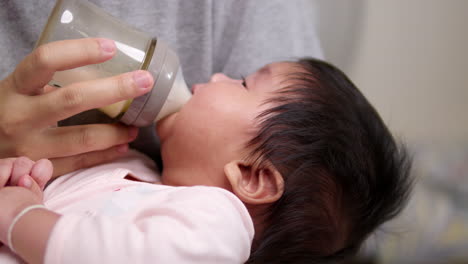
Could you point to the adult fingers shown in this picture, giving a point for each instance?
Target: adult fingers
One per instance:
(42, 172)
(68, 164)
(6, 165)
(58, 142)
(21, 167)
(37, 69)
(79, 97)
(74, 140)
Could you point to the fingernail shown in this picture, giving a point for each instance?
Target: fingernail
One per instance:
(133, 133)
(27, 182)
(122, 148)
(107, 46)
(142, 79)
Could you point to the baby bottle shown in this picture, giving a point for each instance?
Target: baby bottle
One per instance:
(72, 19)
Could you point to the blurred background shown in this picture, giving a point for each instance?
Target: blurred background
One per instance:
(410, 59)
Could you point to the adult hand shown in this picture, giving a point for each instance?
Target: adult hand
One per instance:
(29, 112)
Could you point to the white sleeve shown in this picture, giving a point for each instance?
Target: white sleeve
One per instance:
(206, 226)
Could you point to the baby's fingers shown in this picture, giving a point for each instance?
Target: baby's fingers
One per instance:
(42, 172)
(21, 167)
(6, 166)
(28, 182)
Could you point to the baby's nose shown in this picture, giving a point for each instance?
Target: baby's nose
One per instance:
(218, 77)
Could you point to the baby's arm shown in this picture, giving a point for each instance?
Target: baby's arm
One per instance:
(186, 225)
(19, 189)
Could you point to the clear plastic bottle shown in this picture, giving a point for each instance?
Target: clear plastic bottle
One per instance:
(72, 19)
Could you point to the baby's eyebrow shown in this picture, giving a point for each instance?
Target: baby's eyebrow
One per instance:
(263, 73)
(265, 70)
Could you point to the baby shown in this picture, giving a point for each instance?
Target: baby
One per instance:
(289, 165)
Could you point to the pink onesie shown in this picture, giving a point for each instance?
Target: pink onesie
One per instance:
(110, 219)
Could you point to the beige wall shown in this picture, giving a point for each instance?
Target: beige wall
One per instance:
(412, 62)
(410, 58)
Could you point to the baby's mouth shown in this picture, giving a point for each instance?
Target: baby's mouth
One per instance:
(195, 87)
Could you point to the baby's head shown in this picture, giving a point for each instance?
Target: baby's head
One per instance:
(301, 147)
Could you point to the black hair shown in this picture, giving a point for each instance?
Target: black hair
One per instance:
(344, 173)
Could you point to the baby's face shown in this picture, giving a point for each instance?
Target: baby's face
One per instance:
(214, 126)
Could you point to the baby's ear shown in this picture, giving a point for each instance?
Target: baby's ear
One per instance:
(253, 184)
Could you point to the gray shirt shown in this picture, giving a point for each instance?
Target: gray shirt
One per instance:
(235, 37)
(231, 36)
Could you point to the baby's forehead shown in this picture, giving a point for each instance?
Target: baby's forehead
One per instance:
(282, 72)
(280, 67)
(273, 77)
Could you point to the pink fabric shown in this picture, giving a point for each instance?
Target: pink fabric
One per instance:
(109, 219)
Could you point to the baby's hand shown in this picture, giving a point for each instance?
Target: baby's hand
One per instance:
(26, 173)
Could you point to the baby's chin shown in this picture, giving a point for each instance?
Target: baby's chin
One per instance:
(164, 126)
